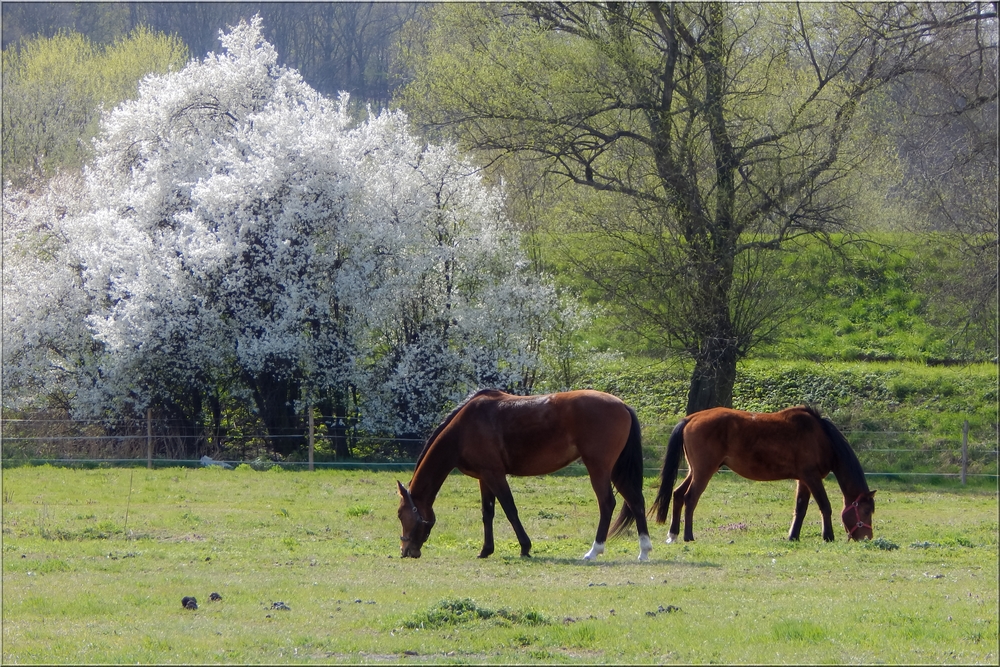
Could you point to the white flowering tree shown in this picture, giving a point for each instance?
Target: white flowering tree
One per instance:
(244, 241)
(448, 302)
(47, 347)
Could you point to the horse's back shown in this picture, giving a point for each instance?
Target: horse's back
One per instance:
(536, 435)
(587, 415)
(758, 445)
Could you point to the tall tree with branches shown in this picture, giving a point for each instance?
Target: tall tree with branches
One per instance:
(707, 138)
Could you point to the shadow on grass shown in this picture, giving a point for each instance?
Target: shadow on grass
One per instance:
(579, 562)
(688, 563)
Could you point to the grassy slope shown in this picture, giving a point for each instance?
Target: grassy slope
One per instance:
(325, 544)
(857, 395)
(876, 301)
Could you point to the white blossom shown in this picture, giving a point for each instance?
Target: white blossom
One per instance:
(238, 228)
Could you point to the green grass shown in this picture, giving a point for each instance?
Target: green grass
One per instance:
(81, 587)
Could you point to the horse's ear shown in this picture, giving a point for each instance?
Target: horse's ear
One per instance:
(405, 495)
(872, 494)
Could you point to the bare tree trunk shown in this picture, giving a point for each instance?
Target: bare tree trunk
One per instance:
(275, 399)
(714, 375)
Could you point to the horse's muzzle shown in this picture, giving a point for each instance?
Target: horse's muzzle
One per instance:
(409, 552)
(860, 532)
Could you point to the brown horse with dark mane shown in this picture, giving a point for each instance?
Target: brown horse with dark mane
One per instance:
(796, 443)
(493, 434)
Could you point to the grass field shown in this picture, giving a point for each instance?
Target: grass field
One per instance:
(79, 586)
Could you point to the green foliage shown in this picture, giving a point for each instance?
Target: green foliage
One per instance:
(263, 463)
(54, 90)
(711, 149)
(889, 394)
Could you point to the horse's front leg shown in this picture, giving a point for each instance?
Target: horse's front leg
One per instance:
(801, 505)
(489, 509)
(501, 490)
(819, 493)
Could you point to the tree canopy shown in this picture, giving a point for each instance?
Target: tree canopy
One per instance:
(54, 89)
(239, 239)
(708, 136)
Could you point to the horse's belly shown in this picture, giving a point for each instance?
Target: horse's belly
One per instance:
(760, 472)
(774, 468)
(541, 461)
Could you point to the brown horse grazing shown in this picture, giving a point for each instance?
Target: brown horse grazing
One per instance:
(493, 434)
(796, 443)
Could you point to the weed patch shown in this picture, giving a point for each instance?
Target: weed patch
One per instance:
(957, 542)
(359, 510)
(880, 543)
(464, 610)
(798, 631)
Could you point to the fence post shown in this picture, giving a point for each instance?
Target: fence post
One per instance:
(149, 438)
(965, 449)
(311, 438)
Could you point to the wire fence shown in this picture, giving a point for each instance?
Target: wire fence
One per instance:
(333, 444)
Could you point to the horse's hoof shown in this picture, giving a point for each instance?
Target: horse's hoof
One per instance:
(645, 546)
(484, 554)
(594, 552)
(671, 538)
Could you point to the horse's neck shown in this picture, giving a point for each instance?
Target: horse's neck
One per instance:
(851, 484)
(432, 470)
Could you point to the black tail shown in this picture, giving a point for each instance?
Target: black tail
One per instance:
(668, 474)
(627, 474)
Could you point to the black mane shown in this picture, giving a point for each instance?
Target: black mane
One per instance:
(842, 450)
(447, 420)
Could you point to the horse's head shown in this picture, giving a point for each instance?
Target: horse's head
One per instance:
(416, 529)
(857, 517)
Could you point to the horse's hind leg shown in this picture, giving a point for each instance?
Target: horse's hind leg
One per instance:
(633, 498)
(489, 509)
(675, 520)
(801, 505)
(606, 503)
(501, 490)
(694, 491)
